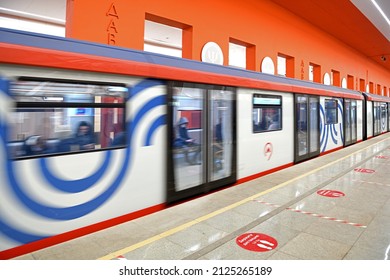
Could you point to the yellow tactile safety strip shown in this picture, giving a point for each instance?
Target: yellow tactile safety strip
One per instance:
(220, 211)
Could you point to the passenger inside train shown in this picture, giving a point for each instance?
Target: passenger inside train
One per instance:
(84, 136)
(35, 145)
(186, 143)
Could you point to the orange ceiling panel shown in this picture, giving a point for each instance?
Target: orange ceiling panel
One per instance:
(345, 22)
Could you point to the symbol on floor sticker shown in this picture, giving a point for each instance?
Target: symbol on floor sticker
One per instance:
(382, 157)
(257, 242)
(330, 193)
(364, 170)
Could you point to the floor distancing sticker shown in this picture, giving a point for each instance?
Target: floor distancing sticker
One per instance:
(371, 183)
(315, 215)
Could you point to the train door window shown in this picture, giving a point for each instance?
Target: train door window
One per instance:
(314, 132)
(388, 116)
(188, 114)
(57, 117)
(201, 145)
(331, 111)
(383, 117)
(266, 113)
(350, 122)
(307, 132)
(353, 121)
(221, 134)
(347, 122)
(301, 124)
(377, 117)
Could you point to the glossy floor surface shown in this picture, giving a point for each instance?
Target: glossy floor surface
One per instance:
(334, 207)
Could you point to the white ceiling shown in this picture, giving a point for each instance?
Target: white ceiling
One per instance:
(46, 8)
(372, 13)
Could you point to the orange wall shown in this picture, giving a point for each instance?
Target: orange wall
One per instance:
(267, 26)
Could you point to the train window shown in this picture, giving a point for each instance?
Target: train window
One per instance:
(331, 111)
(55, 117)
(267, 113)
(194, 118)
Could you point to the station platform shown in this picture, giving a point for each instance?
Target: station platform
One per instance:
(334, 207)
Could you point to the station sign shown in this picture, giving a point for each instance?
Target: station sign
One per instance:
(257, 242)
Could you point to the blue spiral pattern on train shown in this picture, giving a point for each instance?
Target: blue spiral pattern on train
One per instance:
(77, 211)
(329, 131)
(384, 121)
(74, 186)
(341, 108)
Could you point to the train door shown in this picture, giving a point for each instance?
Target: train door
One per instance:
(307, 127)
(201, 140)
(388, 116)
(350, 122)
(384, 118)
(377, 118)
(369, 118)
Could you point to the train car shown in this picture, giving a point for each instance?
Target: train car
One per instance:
(377, 115)
(94, 135)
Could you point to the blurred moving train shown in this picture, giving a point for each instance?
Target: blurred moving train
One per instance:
(88, 133)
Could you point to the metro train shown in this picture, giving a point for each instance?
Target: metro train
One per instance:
(89, 133)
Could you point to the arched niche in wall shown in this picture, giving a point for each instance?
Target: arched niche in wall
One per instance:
(268, 66)
(327, 80)
(212, 53)
(344, 83)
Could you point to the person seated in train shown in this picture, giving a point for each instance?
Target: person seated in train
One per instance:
(264, 124)
(84, 136)
(274, 124)
(35, 145)
(119, 139)
(185, 142)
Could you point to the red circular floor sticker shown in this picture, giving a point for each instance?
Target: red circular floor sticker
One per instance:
(330, 193)
(257, 242)
(364, 170)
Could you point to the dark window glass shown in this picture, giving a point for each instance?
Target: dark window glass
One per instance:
(331, 111)
(267, 113)
(56, 117)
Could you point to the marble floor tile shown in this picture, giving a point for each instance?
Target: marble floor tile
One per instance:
(310, 247)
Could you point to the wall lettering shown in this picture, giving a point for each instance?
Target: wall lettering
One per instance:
(112, 29)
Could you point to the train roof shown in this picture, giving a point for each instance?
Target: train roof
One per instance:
(19, 47)
(376, 97)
